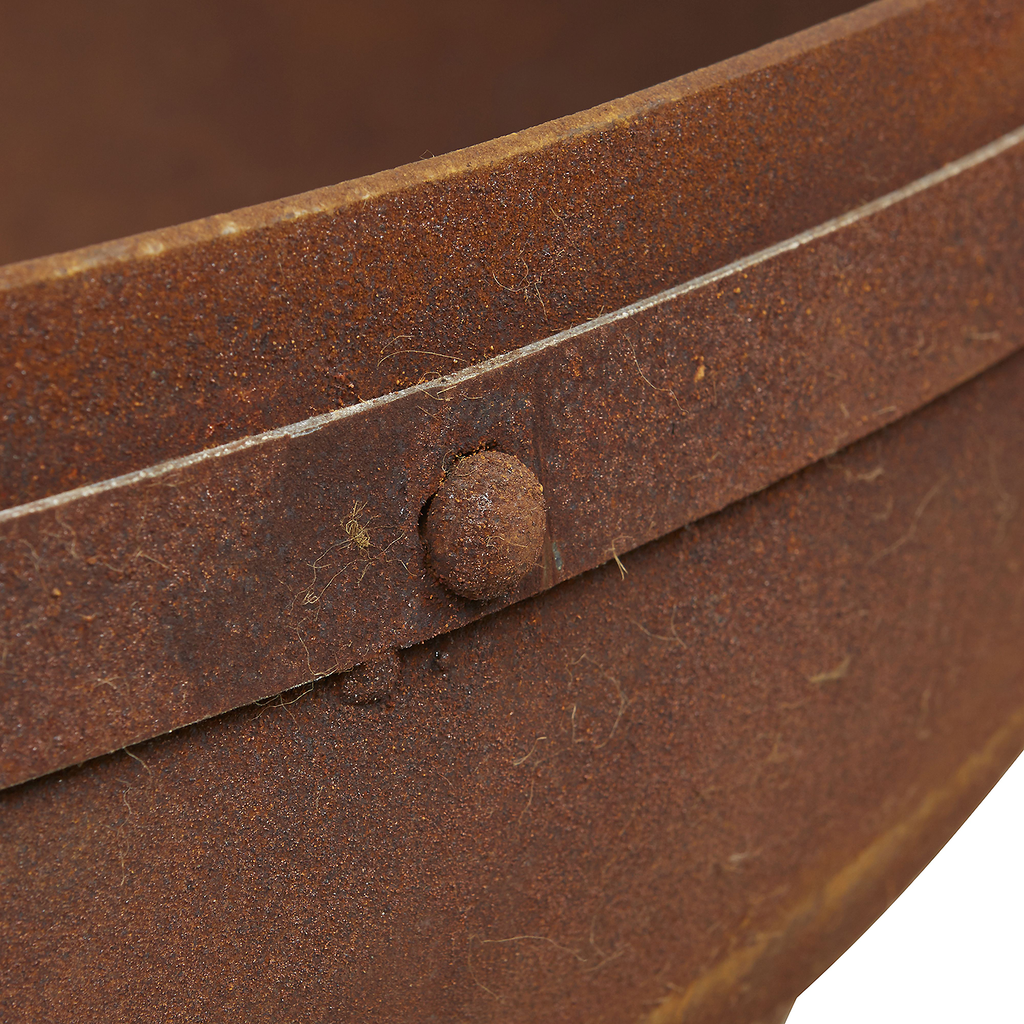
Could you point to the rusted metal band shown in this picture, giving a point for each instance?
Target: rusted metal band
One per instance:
(760, 735)
(162, 597)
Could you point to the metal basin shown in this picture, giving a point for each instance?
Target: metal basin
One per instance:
(755, 332)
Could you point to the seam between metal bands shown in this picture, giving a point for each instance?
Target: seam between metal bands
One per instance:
(316, 423)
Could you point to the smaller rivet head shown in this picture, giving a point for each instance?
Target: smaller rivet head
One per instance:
(484, 529)
(372, 681)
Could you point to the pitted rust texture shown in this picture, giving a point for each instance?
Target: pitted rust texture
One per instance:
(141, 609)
(582, 806)
(119, 357)
(484, 529)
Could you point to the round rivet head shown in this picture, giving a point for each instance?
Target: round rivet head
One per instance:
(484, 528)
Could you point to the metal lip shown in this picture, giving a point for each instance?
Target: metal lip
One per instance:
(331, 198)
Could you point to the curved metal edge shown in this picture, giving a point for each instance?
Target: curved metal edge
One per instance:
(332, 198)
(137, 362)
(822, 926)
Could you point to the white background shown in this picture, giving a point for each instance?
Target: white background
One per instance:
(951, 948)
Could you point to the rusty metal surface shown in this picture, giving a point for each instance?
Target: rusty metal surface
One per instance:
(674, 787)
(682, 790)
(123, 355)
(203, 585)
(123, 117)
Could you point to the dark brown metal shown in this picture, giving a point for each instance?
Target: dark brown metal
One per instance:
(672, 788)
(370, 682)
(674, 795)
(150, 348)
(484, 529)
(121, 120)
(150, 602)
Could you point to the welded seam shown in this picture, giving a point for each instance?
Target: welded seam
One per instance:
(472, 373)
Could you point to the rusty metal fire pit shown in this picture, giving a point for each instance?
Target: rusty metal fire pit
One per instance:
(575, 578)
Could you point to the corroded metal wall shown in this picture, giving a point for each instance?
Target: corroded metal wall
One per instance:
(669, 788)
(123, 117)
(691, 782)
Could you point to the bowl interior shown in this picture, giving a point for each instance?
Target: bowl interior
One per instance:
(121, 117)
